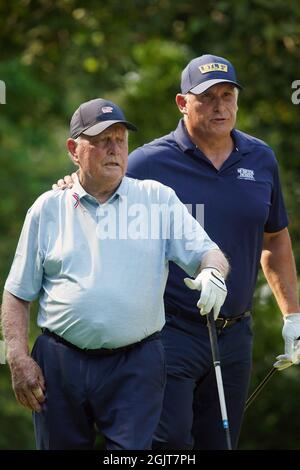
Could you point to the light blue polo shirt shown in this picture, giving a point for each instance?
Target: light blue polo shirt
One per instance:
(100, 270)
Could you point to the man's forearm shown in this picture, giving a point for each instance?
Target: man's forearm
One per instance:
(14, 320)
(279, 268)
(215, 259)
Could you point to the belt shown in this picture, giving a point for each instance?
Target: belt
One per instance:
(220, 322)
(100, 351)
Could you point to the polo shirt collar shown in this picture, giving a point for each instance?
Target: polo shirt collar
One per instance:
(241, 144)
(80, 192)
(183, 139)
(78, 189)
(184, 142)
(122, 189)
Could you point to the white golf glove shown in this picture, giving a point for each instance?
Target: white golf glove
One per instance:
(213, 290)
(291, 336)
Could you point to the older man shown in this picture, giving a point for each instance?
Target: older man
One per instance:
(97, 257)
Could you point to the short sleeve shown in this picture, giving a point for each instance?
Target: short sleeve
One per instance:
(26, 273)
(277, 219)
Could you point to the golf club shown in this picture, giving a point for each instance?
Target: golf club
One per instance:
(260, 387)
(262, 384)
(216, 361)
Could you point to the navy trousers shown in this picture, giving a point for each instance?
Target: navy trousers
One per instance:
(191, 416)
(120, 394)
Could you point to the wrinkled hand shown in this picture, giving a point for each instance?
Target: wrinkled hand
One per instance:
(291, 336)
(28, 382)
(67, 182)
(213, 290)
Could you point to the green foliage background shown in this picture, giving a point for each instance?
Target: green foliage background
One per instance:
(58, 53)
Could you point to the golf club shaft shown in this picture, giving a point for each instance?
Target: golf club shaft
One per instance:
(216, 361)
(262, 384)
(260, 387)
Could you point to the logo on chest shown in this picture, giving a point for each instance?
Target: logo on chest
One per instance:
(245, 174)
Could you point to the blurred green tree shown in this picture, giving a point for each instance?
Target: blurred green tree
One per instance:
(58, 53)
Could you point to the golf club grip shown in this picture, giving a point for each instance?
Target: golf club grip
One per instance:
(213, 336)
(216, 361)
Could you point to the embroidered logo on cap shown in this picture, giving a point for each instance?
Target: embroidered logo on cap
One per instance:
(107, 109)
(213, 67)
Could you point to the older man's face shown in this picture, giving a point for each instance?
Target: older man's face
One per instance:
(103, 158)
(212, 113)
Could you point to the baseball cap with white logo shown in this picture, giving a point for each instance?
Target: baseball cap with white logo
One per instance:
(95, 116)
(204, 72)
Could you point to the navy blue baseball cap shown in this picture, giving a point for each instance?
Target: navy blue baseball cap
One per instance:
(205, 71)
(95, 116)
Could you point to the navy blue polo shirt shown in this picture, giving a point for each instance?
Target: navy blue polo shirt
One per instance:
(242, 200)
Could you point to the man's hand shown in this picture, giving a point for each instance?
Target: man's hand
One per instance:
(291, 336)
(213, 290)
(28, 382)
(67, 182)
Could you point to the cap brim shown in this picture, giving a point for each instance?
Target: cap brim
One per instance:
(102, 126)
(202, 87)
